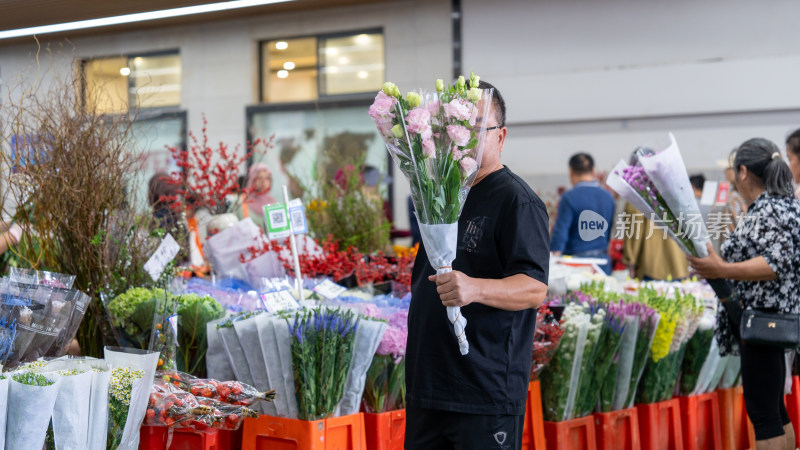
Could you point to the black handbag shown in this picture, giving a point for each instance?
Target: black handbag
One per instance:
(769, 328)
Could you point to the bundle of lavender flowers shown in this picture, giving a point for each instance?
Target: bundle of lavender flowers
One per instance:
(322, 347)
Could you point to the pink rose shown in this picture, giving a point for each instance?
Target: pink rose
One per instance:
(468, 165)
(418, 121)
(382, 106)
(428, 148)
(458, 109)
(459, 134)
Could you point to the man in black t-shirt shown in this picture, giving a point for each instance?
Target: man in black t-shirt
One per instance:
(499, 278)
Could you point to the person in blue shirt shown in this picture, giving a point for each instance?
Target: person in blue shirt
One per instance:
(585, 215)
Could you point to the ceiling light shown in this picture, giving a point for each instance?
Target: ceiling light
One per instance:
(288, 65)
(363, 74)
(362, 39)
(332, 51)
(343, 60)
(137, 17)
(125, 71)
(281, 45)
(283, 73)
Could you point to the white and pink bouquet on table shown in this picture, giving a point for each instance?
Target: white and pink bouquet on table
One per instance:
(658, 186)
(436, 140)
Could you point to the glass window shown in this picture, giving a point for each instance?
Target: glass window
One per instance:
(317, 143)
(106, 85)
(155, 81)
(351, 64)
(305, 69)
(290, 70)
(112, 85)
(151, 137)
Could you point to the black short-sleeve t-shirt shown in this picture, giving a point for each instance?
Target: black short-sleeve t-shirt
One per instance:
(502, 231)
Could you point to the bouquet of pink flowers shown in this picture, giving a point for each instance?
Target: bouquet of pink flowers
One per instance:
(436, 141)
(385, 387)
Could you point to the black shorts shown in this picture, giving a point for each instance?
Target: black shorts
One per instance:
(763, 377)
(432, 429)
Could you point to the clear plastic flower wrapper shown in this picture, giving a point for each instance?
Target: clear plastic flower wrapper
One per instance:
(697, 353)
(732, 376)
(602, 341)
(80, 301)
(232, 392)
(129, 388)
(660, 185)
(560, 378)
(171, 406)
(163, 333)
(437, 143)
(679, 320)
(25, 306)
(385, 380)
(31, 398)
(546, 337)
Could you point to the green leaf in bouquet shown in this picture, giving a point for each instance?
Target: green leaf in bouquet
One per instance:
(696, 353)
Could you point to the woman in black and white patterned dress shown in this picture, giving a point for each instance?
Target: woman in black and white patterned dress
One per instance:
(761, 260)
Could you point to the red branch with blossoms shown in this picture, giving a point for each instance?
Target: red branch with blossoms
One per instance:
(337, 263)
(546, 337)
(208, 175)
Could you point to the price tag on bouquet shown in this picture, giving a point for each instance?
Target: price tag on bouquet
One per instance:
(163, 255)
(297, 215)
(329, 289)
(278, 301)
(278, 225)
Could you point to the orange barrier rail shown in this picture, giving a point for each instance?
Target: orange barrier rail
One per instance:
(571, 434)
(278, 433)
(385, 431)
(660, 425)
(618, 430)
(533, 431)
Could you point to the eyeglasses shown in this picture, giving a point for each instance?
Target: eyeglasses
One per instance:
(494, 127)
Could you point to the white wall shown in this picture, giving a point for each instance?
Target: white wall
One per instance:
(220, 59)
(608, 76)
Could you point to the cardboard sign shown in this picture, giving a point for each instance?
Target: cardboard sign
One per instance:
(277, 220)
(163, 255)
(279, 301)
(329, 289)
(297, 216)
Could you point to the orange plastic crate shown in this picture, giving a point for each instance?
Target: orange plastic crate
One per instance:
(533, 430)
(230, 440)
(278, 433)
(385, 431)
(737, 431)
(571, 434)
(660, 425)
(700, 422)
(618, 430)
(155, 438)
(793, 408)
